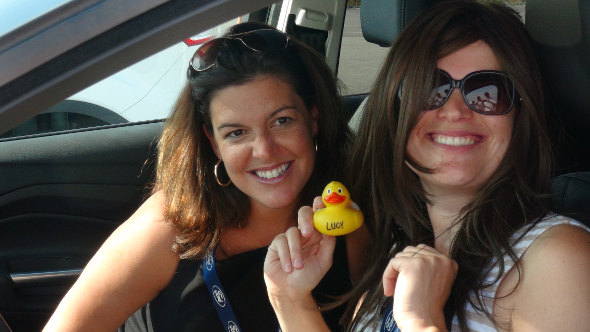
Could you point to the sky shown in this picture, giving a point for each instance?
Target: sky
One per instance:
(15, 13)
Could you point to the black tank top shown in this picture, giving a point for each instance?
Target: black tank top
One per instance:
(184, 305)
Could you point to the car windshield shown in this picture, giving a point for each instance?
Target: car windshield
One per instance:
(16, 13)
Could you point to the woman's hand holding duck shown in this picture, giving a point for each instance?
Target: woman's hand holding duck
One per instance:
(298, 259)
(295, 263)
(420, 280)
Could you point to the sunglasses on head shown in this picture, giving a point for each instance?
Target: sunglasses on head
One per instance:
(486, 92)
(264, 40)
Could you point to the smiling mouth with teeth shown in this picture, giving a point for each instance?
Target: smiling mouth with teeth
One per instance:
(273, 173)
(453, 141)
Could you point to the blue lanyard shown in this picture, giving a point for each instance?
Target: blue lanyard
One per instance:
(220, 301)
(389, 324)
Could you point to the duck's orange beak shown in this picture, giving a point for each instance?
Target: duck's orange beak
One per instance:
(334, 198)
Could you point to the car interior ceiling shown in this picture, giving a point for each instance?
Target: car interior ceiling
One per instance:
(63, 194)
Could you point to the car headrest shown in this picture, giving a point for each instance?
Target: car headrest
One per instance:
(561, 32)
(383, 20)
(571, 195)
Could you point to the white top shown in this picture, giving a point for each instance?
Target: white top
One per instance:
(479, 322)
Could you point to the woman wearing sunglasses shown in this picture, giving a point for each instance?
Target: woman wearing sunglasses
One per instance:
(456, 195)
(257, 132)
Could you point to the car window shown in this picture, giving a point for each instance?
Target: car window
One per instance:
(144, 91)
(360, 60)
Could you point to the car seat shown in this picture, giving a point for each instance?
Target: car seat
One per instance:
(571, 195)
(561, 32)
(381, 22)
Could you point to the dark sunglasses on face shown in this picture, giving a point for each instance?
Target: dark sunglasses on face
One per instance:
(486, 92)
(264, 40)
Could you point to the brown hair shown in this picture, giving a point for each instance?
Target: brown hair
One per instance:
(195, 205)
(391, 193)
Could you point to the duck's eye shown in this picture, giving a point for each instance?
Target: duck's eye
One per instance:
(329, 191)
(340, 190)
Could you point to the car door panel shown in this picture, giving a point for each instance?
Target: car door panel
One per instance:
(61, 196)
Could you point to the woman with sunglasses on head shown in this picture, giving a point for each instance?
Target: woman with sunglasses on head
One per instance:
(456, 197)
(256, 133)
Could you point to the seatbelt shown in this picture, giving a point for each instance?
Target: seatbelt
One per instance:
(3, 326)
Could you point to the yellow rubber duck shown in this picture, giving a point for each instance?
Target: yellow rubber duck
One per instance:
(340, 216)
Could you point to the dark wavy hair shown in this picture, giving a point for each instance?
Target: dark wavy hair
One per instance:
(195, 205)
(517, 194)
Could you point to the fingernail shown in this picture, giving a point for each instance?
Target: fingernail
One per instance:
(298, 263)
(307, 230)
(288, 268)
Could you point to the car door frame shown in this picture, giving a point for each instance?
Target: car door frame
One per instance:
(309, 14)
(37, 87)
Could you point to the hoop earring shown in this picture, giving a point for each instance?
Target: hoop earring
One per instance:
(315, 141)
(216, 178)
